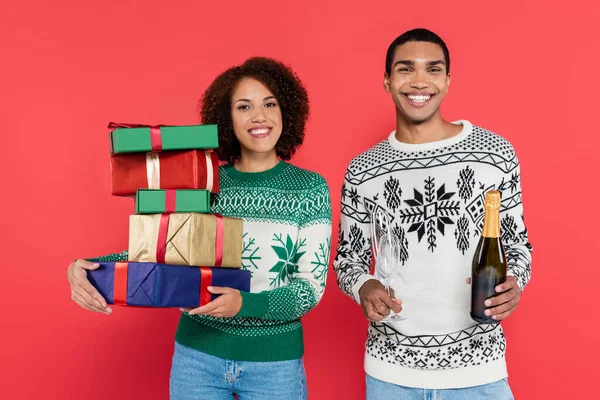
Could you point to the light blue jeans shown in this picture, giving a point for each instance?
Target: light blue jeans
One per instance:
(199, 376)
(377, 389)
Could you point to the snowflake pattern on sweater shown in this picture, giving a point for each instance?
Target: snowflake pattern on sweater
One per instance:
(433, 195)
(286, 212)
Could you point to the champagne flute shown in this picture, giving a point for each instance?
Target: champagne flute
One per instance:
(387, 267)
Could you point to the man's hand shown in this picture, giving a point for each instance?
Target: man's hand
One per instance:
(375, 302)
(504, 304)
(227, 305)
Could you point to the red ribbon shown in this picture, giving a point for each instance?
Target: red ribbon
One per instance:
(156, 138)
(155, 135)
(163, 228)
(161, 244)
(219, 241)
(171, 200)
(120, 283)
(206, 276)
(114, 125)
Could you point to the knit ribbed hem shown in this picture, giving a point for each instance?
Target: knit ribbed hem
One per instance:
(254, 305)
(255, 176)
(280, 347)
(436, 379)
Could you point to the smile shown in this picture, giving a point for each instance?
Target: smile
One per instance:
(419, 100)
(260, 132)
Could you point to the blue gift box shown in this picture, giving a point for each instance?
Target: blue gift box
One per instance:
(161, 285)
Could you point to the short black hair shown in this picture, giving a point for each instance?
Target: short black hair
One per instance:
(415, 35)
(215, 105)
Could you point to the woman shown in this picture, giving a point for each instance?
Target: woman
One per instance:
(251, 344)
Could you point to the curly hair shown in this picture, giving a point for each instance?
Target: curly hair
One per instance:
(215, 105)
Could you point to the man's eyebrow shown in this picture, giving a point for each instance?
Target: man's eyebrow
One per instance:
(412, 63)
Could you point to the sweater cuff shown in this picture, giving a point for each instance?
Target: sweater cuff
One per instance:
(359, 283)
(254, 304)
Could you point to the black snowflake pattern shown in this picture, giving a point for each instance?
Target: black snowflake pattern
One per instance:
(433, 355)
(357, 241)
(513, 256)
(462, 234)
(389, 346)
(392, 193)
(508, 227)
(342, 250)
(517, 248)
(412, 353)
(371, 340)
(354, 196)
(510, 184)
(480, 349)
(428, 354)
(456, 351)
(475, 344)
(523, 235)
(430, 211)
(466, 183)
(400, 234)
(346, 271)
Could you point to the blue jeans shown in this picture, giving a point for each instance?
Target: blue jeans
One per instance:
(199, 376)
(377, 389)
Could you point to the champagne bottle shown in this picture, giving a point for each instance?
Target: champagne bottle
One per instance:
(489, 262)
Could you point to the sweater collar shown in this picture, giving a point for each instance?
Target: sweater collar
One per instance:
(410, 148)
(255, 176)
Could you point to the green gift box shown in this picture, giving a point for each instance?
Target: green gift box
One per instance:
(156, 201)
(132, 138)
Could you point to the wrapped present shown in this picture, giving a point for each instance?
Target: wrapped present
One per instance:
(157, 201)
(191, 169)
(132, 138)
(186, 239)
(160, 285)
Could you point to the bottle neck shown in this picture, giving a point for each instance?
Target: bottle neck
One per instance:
(491, 224)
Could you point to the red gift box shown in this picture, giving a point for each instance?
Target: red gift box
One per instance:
(192, 169)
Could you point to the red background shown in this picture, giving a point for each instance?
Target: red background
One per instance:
(526, 70)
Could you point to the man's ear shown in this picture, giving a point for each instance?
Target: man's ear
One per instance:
(386, 83)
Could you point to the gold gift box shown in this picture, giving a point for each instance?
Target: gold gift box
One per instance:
(190, 239)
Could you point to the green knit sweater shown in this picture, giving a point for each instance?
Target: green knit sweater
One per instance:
(286, 245)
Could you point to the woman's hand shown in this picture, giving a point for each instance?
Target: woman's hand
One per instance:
(227, 305)
(82, 291)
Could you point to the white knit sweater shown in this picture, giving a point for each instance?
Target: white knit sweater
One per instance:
(433, 194)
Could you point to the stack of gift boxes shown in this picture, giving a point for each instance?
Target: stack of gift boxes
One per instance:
(177, 247)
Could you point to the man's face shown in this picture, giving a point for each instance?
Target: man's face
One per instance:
(418, 81)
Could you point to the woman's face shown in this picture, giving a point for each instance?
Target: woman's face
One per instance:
(256, 117)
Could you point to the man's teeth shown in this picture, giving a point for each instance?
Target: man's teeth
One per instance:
(259, 131)
(419, 98)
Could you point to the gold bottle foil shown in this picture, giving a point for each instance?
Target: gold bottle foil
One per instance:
(491, 219)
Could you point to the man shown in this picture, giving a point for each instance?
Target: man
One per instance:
(429, 177)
